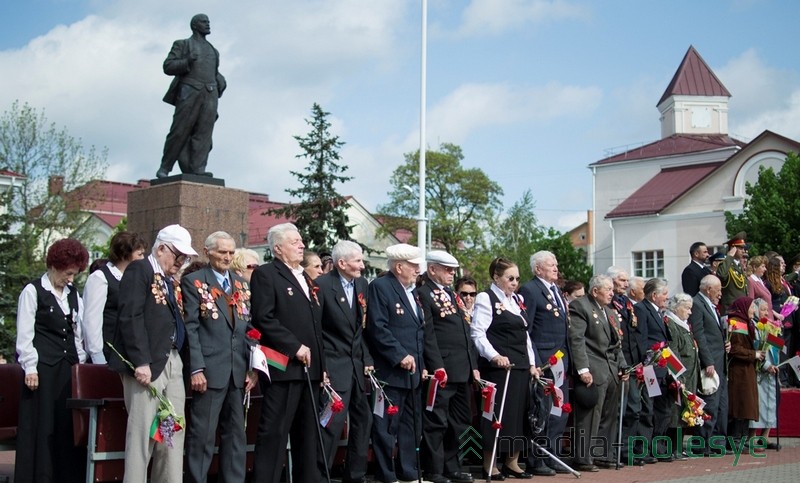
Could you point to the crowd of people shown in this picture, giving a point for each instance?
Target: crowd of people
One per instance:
(436, 353)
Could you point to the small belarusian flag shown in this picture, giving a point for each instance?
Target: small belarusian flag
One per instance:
(558, 399)
(558, 372)
(737, 327)
(274, 358)
(258, 361)
(430, 396)
(651, 381)
(378, 402)
(674, 364)
(487, 400)
(775, 341)
(155, 431)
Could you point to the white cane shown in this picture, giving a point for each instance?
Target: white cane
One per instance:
(621, 414)
(499, 423)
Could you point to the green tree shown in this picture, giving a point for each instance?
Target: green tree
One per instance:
(771, 214)
(11, 282)
(519, 235)
(53, 163)
(104, 250)
(320, 215)
(462, 202)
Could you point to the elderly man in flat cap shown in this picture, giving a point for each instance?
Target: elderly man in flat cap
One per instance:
(394, 335)
(447, 346)
(732, 273)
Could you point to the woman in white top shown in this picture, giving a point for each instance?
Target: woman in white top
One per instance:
(49, 343)
(500, 333)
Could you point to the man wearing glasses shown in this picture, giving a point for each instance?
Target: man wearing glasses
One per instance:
(150, 334)
(447, 345)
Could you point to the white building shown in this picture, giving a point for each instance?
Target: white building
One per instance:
(651, 203)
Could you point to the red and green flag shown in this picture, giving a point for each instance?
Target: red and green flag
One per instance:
(775, 341)
(274, 358)
(674, 365)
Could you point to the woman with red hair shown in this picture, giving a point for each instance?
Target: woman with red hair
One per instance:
(49, 343)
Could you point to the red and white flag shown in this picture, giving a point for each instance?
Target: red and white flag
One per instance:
(651, 381)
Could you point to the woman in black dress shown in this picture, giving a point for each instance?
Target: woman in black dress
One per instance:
(500, 333)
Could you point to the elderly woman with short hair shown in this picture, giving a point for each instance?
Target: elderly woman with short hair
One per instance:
(244, 262)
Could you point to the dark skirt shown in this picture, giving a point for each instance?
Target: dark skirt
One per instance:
(45, 448)
(513, 434)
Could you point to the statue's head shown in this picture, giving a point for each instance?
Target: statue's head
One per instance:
(200, 23)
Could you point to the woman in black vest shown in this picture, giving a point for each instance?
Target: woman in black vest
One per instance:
(500, 333)
(49, 342)
(100, 295)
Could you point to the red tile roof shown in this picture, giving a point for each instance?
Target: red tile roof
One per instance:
(662, 190)
(5, 172)
(258, 224)
(674, 145)
(694, 78)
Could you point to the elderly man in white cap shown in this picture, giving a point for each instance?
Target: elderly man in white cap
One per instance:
(394, 334)
(447, 346)
(150, 334)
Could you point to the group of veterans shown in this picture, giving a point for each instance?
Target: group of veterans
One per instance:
(166, 326)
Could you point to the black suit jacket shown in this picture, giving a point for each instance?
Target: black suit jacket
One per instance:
(547, 324)
(218, 346)
(634, 333)
(144, 327)
(691, 276)
(346, 353)
(394, 331)
(447, 340)
(657, 331)
(709, 334)
(287, 319)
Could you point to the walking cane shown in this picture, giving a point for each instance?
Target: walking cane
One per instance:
(621, 413)
(417, 437)
(555, 458)
(499, 423)
(319, 430)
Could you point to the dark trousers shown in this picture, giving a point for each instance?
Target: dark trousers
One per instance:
(443, 427)
(399, 429)
(216, 407)
(635, 419)
(286, 410)
(717, 407)
(662, 414)
(359, 414)
(554, 431)
(189, 137)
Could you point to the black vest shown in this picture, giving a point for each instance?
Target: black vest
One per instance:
(508, 335)
(110, 311)
(54, 331)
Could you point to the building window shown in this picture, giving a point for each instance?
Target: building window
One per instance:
(648, 264)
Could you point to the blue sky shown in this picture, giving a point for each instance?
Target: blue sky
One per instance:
(533, 91)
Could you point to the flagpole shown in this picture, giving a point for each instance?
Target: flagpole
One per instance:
(421, 219)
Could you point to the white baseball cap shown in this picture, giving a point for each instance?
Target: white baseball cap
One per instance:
(178, 237)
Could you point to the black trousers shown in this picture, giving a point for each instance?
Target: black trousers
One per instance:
(443, 427)
(359, 413)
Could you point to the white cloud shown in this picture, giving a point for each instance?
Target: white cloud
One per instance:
(498, 16)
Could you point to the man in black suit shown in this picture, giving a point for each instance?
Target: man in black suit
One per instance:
(447, 345)
(649, 312)
(696, 270)
(347, 358)
(595, 339)
(287, 310)
(710, 334)
(218, 361)
(395, 337)
(634, 348)
(547, 327)
(150, 334)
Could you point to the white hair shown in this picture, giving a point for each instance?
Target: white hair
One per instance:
(538, 258)
(599, 281)
(278, 233)
(345, 250)
(677, 300)
(614, 272)
(212, 239)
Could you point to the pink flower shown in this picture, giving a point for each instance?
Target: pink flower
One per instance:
(391, 410)
(337, 406)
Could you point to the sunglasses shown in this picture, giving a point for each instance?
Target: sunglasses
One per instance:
(252, 266)
(468, 294)
(512, 279)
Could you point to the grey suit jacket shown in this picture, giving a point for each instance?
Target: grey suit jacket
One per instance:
(594, 341)
(217, 346)
(709, 334)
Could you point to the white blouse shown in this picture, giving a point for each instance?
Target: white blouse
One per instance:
(482, 319)
(95, 295)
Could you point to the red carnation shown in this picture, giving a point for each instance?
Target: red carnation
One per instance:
(567, 408)
(337, 406)
(657, 346)
(439, 375)
(391, 410)
(254, 334)
(691, 397)
(497, 425)
(662, 363)
(706, 417)
(553, 360)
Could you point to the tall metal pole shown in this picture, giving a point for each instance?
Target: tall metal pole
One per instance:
(422, 220)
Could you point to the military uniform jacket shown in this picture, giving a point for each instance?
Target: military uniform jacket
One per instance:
(594, 339)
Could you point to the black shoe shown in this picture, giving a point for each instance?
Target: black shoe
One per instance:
(162, 173)
(460, 477)
(682, 456)
(495, 476)
(542, 470)
(522, 475)
(649, 460)
(435, 478)
(587, 468)
(774, 446)
(606, 464)
(667, 459)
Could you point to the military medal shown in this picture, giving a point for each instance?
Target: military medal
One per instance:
(289, 289)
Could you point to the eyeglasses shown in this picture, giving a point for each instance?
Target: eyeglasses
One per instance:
(252, 266)
(179, 257)
(468, 294)
(512, 279)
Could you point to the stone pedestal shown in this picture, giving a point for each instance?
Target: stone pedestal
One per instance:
(201, 208)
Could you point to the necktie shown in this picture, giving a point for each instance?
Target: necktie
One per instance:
(556, 297)
(226, 286)
(180, 329)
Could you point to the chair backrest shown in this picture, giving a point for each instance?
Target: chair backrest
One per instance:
(11, 379)
(91, 381)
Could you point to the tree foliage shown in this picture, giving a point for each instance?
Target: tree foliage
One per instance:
(320, 215)
(11, 282)
(462, 202)
(771, 214)
(32, 147)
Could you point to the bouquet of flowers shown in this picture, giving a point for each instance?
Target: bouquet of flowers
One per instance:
(166, 422)
(769, 336)
(789, 306)
(691, 407)
(379, 397)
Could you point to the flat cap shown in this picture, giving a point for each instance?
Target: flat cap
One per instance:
(441, 257)
(404, 252)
